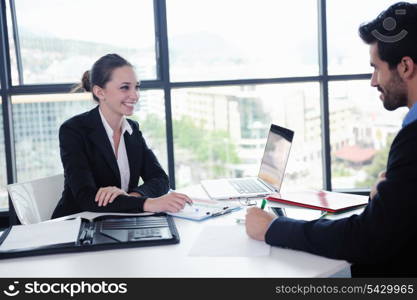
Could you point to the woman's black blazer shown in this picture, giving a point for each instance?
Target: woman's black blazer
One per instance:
(89, 163)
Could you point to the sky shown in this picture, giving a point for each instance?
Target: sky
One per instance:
(124, 22)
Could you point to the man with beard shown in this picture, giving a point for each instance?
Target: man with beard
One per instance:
(382, 241)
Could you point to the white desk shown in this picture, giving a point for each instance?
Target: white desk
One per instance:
(173, 261)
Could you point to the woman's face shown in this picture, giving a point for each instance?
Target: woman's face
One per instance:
(121, 93)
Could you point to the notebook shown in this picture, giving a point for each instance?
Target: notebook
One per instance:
(332, 202)
(271, 171)
(81, 234)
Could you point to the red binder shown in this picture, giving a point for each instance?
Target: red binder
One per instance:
(322, 200)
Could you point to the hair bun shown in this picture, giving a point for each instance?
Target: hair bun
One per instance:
(85, 81)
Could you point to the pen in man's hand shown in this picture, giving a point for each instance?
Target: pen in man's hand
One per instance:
(263, 203)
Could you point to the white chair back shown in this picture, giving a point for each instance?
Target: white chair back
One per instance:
(34, 201)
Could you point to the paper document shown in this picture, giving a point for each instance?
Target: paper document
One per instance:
(42, 234)
(230, 241)
(202, 209)
(92, 215)
(300, 213)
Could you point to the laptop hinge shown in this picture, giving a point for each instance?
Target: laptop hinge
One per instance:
(268, 186)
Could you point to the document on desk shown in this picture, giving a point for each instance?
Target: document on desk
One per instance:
(92, 215)
(228, 241)
(202, 209)
(42, 234)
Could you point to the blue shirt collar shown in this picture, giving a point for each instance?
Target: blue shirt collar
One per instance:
(411, 115)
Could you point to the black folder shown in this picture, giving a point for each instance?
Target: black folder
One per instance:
(108, 232)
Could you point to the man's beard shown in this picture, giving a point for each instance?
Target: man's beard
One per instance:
(395, 92)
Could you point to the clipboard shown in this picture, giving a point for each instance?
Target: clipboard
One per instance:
(203, 209)
(104, 233)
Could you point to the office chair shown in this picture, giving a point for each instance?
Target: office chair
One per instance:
(34, 201)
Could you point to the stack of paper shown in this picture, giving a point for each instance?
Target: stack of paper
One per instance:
(42, 234)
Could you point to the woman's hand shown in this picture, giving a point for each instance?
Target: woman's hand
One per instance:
(171, 202)
(106, 195)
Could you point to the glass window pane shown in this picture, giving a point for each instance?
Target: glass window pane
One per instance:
(214, 40)
(150, 114)
(4, 204)
(61, 39)
(37, 119)
(347, 53)
(361, 132)
(221, 131)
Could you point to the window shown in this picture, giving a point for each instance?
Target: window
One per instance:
(150, 114)
(361, 133)
(37, 149)
(60, 39)
(220, 132)
(347, 53)
(215, 40)
(36, 128)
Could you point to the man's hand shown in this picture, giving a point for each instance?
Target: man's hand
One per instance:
(171, 202)
(381, 177)
(257, 223)
(107, 194)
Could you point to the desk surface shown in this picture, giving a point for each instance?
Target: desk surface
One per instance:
(173, 261)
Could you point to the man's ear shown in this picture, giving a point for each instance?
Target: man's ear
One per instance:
(98, 92)
(407, 68)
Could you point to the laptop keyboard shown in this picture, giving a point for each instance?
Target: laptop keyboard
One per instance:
(246, 186)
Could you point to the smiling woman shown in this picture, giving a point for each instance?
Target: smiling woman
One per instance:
(104, 154)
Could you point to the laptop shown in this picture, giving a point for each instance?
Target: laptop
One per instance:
(270, 176)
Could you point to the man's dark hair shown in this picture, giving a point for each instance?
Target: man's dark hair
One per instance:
(395, 33)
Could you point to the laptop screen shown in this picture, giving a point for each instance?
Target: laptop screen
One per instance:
(277, 150)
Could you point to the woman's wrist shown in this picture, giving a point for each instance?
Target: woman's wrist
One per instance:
(135, 194)
(147, 205)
